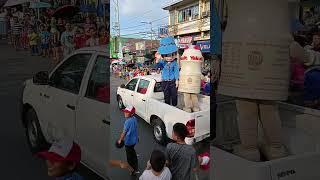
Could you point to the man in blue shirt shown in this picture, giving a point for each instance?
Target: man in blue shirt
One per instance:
(167, 62)
(130, 137)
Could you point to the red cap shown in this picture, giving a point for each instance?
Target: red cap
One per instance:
(129, 109)
(63, 151)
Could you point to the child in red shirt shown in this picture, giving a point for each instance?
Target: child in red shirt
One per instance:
(80, 39)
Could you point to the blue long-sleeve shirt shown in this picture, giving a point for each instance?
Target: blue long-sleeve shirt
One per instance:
(170, 71)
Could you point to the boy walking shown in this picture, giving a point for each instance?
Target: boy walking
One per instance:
(130, 137)
(182, 158)
(62, 159)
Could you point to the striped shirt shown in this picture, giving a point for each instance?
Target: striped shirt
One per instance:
(16, 28)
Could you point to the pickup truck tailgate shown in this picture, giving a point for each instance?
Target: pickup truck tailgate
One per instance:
(202, 123)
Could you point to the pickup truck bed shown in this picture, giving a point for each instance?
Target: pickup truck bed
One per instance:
(301, 136)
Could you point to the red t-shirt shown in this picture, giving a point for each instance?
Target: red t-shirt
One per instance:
(80, 42)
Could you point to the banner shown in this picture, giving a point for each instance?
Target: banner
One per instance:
(183, 42)
(204, 46)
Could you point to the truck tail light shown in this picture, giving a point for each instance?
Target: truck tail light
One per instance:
(191, 127)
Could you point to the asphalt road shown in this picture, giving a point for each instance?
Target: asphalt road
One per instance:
(146, 145)
(17, 161)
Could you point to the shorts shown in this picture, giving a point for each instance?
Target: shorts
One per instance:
(44, 46)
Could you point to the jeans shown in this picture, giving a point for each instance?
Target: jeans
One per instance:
(34, 49)
(132, 158)
(170, 92)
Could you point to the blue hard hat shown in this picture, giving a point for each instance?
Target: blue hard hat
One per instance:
(167, 46)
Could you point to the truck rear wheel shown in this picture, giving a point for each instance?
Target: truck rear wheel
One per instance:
(35, 138)
(159, 132)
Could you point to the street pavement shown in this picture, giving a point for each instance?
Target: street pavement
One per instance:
(17, 161)
(146, 144)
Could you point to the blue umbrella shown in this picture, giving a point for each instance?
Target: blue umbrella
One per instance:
(39, 5)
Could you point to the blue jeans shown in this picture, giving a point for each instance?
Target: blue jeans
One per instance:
(34, 49)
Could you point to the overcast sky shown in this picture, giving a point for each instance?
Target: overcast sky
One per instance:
(133, 12)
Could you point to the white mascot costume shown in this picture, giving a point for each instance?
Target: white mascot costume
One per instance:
(255, 70)
(190, 77)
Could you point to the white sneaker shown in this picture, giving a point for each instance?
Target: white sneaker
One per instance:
(251, 154)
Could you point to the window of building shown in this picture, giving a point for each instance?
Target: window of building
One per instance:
(172, 18)
(207, 6)
(188, 14)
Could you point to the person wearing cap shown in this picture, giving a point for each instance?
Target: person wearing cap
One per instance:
(166, 61)
(130, 137)
(62, 159)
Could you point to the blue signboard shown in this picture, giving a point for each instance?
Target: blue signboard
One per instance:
(163, 31)
(204, 46)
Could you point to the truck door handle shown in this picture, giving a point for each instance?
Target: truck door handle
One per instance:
(106, 122)
(70, 107)
(131, 94)
(46, 96)
(143, 100)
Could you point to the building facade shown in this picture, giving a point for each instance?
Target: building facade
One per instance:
(133, 50)
(189, 23)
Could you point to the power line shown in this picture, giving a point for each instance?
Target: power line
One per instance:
(131, 27)
(139, 16)
(159, 19)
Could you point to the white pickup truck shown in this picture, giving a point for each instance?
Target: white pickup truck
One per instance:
(145, 94)
(71, 101)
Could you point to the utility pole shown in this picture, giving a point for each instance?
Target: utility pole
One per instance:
(151, 32)
(116, 25)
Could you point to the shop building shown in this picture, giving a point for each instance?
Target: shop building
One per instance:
(133, 50)
(189, 23)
